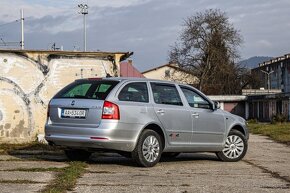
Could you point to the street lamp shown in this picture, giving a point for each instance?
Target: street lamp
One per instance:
(84, 11)
(268, 77)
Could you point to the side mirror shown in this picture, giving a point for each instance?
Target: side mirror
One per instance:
(217, 105)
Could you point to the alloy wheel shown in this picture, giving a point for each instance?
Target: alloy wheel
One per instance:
(150, 148)
(234, 147)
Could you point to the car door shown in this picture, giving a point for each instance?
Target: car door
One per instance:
(208, 124)
(175, 118)
(133, 100)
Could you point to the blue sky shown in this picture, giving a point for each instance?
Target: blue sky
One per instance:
(146, 27)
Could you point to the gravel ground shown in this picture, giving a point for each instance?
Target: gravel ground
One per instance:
(265, 168)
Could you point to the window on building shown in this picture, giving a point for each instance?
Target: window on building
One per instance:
(167, 73)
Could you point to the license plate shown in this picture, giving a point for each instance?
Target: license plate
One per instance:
(73, 113)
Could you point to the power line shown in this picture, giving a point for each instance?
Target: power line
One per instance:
(13, 43)
(4, 43)
(9, 44)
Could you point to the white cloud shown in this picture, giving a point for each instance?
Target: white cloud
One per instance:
(145, 26)
(36, 10)
(10, 10)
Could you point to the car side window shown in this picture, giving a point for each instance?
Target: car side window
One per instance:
(134, 92)
(165, 94)
(194, 99)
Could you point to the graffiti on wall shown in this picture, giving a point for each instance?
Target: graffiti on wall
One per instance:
(27, 83)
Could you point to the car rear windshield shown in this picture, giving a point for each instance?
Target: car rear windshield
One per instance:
(87, 89)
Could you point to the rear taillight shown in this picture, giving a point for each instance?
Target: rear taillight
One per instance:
(110, 111)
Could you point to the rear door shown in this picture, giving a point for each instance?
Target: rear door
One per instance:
(80, 103)
(133, 102)
(170, 111)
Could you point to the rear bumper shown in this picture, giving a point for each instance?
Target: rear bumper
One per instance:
(109, 135)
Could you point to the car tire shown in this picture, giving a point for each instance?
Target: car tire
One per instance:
(170, 154)
(148, 150)
(235, 149)
(77, 154)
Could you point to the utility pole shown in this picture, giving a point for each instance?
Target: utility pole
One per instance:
(22, 30)
(268, 77)
(84, 11)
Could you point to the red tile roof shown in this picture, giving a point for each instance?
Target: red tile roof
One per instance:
(128, 70)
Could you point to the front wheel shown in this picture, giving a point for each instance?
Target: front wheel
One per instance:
(148, 150)
(235, 147)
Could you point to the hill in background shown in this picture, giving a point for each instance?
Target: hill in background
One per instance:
(254, 61)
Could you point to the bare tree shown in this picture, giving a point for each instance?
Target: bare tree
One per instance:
(207, 48)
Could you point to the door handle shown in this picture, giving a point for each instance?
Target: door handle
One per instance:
(196, 115)
(160, 111)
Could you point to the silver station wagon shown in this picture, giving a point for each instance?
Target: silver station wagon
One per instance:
(143, 119)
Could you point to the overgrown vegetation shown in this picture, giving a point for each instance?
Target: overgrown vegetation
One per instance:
(8, 148)
(66, 179)
(279, 118)
(278, 132)
(52, 169)
(19, 182)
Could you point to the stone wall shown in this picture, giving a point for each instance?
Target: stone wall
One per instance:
(28, 80)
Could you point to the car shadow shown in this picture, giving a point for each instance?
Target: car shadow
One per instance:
(37, 155)
(111, 159)
(105, 158)
(190, 157)
(116, 159)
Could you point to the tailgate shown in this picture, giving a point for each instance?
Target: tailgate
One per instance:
(75, 112)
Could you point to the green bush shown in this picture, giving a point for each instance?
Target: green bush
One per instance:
(252, 121)
(279, 118)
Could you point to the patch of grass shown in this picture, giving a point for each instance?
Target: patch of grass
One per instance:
(18, 182)
(278, 132)
(66, 179)
(7, 148)
(101, 172)
(53, 169)
(32, 158)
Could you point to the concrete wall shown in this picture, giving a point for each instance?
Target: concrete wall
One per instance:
(235, 104)
(28, 80)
